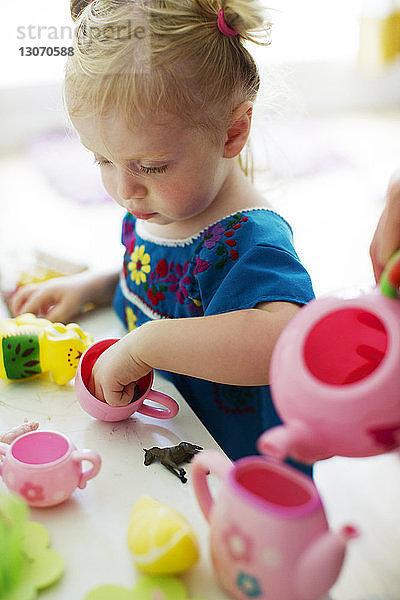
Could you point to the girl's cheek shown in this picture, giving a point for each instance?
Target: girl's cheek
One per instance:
(109, 184)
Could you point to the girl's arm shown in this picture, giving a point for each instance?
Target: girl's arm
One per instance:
(62, 298)
(233, 348)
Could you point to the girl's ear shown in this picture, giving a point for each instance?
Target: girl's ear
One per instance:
(77, 7)
(238, 130)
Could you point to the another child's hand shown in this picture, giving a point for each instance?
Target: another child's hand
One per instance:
(386, 239)
(116, 370)
(57, 299)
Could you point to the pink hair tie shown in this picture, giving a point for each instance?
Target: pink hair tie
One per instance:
(223, 27)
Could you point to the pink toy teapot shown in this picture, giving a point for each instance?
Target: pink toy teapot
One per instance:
(269, 534)
(335, 377)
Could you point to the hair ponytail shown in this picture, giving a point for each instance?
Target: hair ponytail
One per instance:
(247, 17)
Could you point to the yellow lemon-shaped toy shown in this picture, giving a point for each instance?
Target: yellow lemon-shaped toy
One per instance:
(161, 540)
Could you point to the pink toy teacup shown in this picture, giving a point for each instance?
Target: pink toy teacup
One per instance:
(269, 534)
(143, 390)
(45, 467)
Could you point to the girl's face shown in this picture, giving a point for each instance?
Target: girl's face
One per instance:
(160, 172)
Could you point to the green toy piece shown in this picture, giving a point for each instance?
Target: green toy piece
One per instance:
(13, 513)
(27, 564)
(105, 592)
(25, 591)
(170, 587)
(36, 537)
(390, 279)
(21, 356)
(148, 587)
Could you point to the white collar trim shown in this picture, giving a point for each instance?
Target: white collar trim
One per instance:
(145, 235)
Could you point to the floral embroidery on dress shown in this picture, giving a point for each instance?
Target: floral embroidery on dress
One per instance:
(222, 239)
(217, 245)
(131, 318)
(128, 234)
(173, 278)
(213, 235)
(139, 265)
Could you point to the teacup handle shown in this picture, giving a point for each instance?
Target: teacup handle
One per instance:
(3, 451)
(171, 407)
(91, 456)
(203, 464)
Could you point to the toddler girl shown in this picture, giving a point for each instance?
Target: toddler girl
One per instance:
(162, 91)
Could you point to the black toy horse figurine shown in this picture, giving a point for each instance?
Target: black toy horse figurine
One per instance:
(172, 457)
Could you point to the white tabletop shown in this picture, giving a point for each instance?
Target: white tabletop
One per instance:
(90, 528)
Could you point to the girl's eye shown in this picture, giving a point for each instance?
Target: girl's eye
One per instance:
(102, 161)
(143, 169)
(150, 170)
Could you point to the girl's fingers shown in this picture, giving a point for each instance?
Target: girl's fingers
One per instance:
(58, 313)
(38, 304)
(18, 299)
(96, 391)
(115, 394)
(122, 395)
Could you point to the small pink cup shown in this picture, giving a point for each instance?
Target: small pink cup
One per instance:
(103, 411)
(45, 467)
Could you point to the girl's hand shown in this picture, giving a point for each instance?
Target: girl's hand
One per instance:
(117, 369)
(57, 299)
(62, 298)
(386, 239)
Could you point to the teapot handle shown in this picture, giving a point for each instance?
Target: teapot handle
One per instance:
(389, 283)
(208, 462)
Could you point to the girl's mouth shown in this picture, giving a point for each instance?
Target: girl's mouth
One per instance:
(141, 215)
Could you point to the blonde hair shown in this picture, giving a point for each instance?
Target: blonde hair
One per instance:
(175, 60)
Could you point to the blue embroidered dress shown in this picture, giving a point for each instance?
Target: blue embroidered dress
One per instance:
(244, 259)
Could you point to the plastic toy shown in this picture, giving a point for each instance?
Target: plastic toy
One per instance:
(45, 467)
(143, 390)
(161, 540)
(45, 566)
(172, 457)
(31, 346)
(7, 437)
(27, 564)
(335, 376)
(147, 588)
(269, 535)
(13, 513)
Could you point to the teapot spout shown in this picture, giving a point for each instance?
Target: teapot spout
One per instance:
(320, 566)
(295, 439)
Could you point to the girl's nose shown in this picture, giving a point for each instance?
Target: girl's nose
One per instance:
(129, 187)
